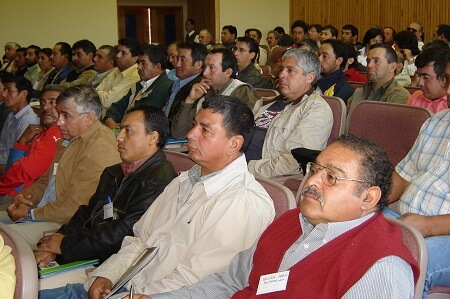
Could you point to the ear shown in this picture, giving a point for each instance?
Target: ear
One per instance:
(392, 67)
(252, 55)
(153, 138)
(135, 59)
(24, 94)
(158, 66)
(91, 56)
(373, 195)
(90, 118)
(235, 144)
(310, 77)
(339, 61)
(350, 60)
(228, 72)
(198, 64)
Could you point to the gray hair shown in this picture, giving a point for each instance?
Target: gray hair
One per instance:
(13, 44)
(307, 60)
(85, 97)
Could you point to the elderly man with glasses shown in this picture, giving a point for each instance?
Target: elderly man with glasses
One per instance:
(337, 244)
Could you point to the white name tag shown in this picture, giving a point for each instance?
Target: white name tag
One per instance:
(55, 168)
(108, 210)
(272, 282)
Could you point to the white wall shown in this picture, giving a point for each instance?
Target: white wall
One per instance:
(46, 22)
(264, 15)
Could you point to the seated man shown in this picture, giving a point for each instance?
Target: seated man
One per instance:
(17, 95)
(84, 72)
(299, 117)
(204, 216)
(132, 186)
(104, 63)
(87, 150)
(38, 143)
(246, 51)
(61, 60)
(420, 183)
(431, 71)
(337, 244)
(153, 89)
(332, 60)
(256, 34)
(381, 66)
(218, 73)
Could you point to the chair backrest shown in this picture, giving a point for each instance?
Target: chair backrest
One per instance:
(414, 241)
(393, 127)
(26, 269)
(263, 92)
(339, 109)
(439, 292)
(181, 162)
(265, 69)
(283, 198)
(274, 58)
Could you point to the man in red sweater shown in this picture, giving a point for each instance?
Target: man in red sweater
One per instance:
(36, 147)
(336, 245)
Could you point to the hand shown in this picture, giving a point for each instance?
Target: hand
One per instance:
(43, 258)
(110, 123)
(101, 287)
(418, 221)
(138, 296)
(30, 132)
(15, 212)
(198, 90)
(51, 243)
(22, 199)
(408, 56)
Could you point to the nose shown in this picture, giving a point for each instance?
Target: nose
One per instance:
(119, 137)
(191, 135)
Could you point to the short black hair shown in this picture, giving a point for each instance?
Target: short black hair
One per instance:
(310, 43)
(391, 55)
(229, 61)
(333, 30)
(252, 45)
(318, 27)
(198, 51)
(437, 55)
(21, 84)
(237, 116)
(66, 49)
(191, 21)
(4, 75)
(350, 52)
(375, 165)
(435, 43)
(372, 33)
(443, 29)
(352, 28)
(258, 32)
(112, 51)
(154, 120)
(86, 45)
(407, 40)
(393, 30)
(156, 54)
(35, 48)
(338, 50)
(133, 45)
(280, 30)
(46, 51)
(230, 29)
(300, 23)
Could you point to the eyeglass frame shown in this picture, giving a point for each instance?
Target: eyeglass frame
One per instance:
(333, 175)
(241, 50)
(72, 119)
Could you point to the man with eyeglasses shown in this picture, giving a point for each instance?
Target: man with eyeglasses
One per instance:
(420, 183)
(337, 244)
(246, 51)
(88, 148)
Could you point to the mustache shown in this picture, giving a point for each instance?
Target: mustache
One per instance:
(313, 193)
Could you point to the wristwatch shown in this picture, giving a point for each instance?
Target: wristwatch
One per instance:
(29, 214)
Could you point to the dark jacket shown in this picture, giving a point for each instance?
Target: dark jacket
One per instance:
(342, 88)
(88, 235)
(250, 75)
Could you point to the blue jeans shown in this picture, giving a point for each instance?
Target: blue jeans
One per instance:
(70, 291)
(438, 271)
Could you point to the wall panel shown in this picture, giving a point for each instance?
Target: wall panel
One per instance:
(366, 13)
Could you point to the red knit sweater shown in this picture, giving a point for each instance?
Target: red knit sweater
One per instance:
(330, 271)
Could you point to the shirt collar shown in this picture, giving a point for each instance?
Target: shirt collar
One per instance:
(22, 111)
(130, 168)
(146, 84)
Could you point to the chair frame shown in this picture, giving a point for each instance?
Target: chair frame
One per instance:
(291, 203)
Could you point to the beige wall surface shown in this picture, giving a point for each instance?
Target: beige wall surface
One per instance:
(46, 22)
(264, 15)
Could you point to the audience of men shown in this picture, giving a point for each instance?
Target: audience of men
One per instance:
(35, 148)
(61, 59)
(338, 228)
(389, 33)
(443, 33)
(417, 29)
(308, 44)
(350, 36)
(205, 38)
(328, 31)
(20, 65)
(84, 72)
(256, 34)
(17, 92)
(381, 66)
(153, 89)
(228, 36)
(191, 57)
(406, 43)
(31, 60)
(430, 65)
(299, 117)
(402, 79)
(104, 63)
(128, 188)
(117, 84)
(314, 33)
(191, 35)
(218, 79)
(204, 216)
(372, 36)
(332, 56)
(273, 40)
(285, 39)
(172, 54)
(420, 184)
(88, 148)
(299, 31)
(246, 51)
(10, 53)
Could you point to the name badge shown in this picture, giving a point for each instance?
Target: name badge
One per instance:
(108, 210)
(272, 282)
(55, 168)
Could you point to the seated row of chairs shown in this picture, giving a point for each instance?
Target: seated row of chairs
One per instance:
(410, 89)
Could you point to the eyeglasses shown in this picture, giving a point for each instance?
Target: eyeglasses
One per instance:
(414, 30)
(328, 175)
(241, 50)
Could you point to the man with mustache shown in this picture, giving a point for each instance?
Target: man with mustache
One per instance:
(37, 146)
(337, 244)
